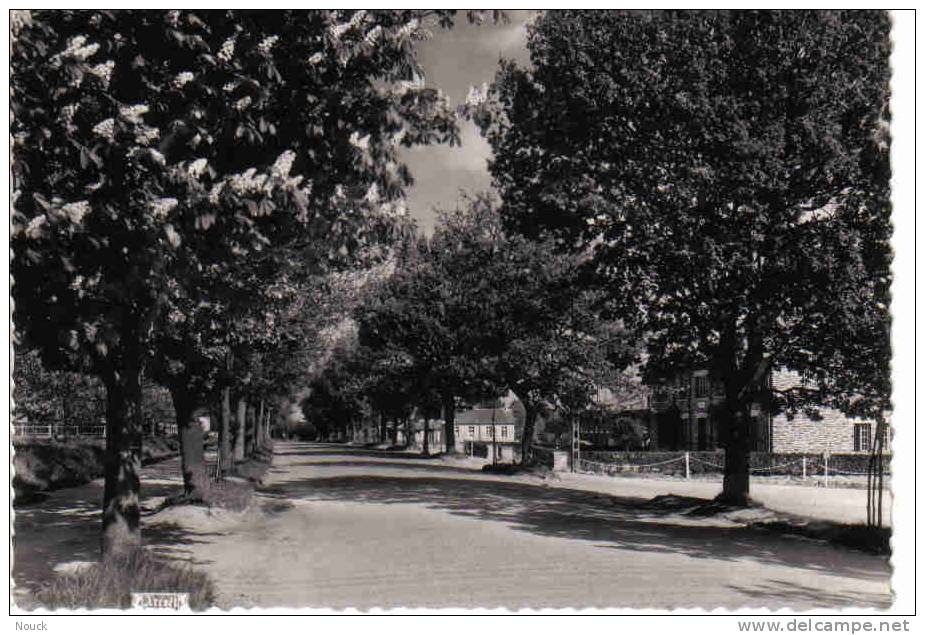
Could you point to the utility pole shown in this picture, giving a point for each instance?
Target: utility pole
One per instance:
(576, 444)
(494, 442)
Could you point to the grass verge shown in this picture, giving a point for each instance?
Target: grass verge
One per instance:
(44, 465)
(110, 584)
(234, 492)
(874, 540)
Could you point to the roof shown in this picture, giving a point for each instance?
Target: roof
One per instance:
(485, 416)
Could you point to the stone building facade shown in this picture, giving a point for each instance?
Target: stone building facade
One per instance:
(683, 412)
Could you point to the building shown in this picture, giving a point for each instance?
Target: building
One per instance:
(684, 418)
(489, 432)
(434, 435)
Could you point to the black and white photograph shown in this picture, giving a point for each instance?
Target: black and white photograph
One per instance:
(461, 311)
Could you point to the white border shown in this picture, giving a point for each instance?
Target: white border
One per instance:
(905, 393)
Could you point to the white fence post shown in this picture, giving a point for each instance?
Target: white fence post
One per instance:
(687, 465)
(804, 468)
(825, 468)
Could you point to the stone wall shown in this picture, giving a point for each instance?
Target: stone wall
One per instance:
(834, 433)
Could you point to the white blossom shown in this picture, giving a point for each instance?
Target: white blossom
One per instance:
(133, 114)
(283, 164)
(337, 30)
(229, 86)
(372, 194)
(197, 168)
(227, 50)
(267, 44)
(215, 192)
(78, 49)
(242, 103)
(409, 28)
(103, 71)
(248, 182)
(76, 211)
(477, 96)
(147, 135)
(163, 206)
(395, 209)
(106, 128)
(315, 59)
(361, 143)
(36, 226)
(358, 18)
(172, 236)
(182, 79)
(373, 35)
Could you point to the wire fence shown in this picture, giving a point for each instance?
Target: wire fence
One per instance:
(48, 431)
(57, 431)
(687, 463)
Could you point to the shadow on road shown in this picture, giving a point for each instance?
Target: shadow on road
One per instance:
(65, 527)
(435, 468)
(620, 523)
(784, 592)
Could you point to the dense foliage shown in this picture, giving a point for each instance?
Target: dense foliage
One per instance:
(728, 173)
(168, 164)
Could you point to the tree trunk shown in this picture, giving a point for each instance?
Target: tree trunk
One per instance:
(250, 430)
(426, 443)
(121, 514)
(261, 426)
(241, 429)
(449, 422)
(192, 456)
(526, 440)
(735, 471)
(383, 429)
(225, 456)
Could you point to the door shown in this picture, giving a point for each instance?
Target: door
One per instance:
(703, 434)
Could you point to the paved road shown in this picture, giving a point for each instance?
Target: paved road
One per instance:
(342, 527)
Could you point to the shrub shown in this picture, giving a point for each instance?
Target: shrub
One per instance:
(110, 584)
(44, 465)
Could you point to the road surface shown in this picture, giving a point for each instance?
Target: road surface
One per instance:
(343, 527)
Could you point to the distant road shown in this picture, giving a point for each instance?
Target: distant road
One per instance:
(344, 527)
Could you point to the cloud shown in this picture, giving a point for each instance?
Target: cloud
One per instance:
(453, 61)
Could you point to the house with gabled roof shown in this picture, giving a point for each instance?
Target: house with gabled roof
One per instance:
(490, 432)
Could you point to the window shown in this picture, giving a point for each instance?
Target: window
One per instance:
(503, 432)
(861, 437)
(701, 386)
(471, 432)
(456, 428)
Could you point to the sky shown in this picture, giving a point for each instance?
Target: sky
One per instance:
(453, 61)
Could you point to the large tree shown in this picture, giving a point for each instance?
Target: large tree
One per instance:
(429, 323)
(478, 311)
(151, 145)
(728, 172)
